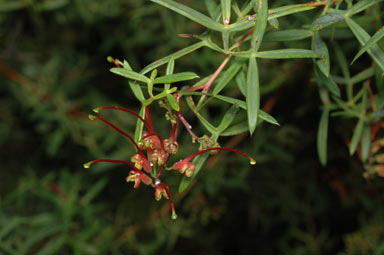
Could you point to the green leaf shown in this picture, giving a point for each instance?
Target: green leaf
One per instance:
(139, 125)
(229, 116)
(170, 66)
(268, 118)
(370, 43)
(327, 82)
(342, 61)
(191, 14)
(356, 136)
(253, 94)
(287, 10)
(363, 75)
(236, 129)
(174, 55)
(226, 11)
(287, 53)
(130, 74)
(177, 77)
(320, 47)
(211, 7)
(226, 77)
(173, 102)
(326, 20)
(361, 6)
(241, 83)
(262, 115)
(136, 89)
(322, 136)
(261, 24)
(365, 143)
(248, 22)
(287, 35)
(374, 51)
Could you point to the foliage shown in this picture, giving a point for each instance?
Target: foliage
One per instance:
(296, 76)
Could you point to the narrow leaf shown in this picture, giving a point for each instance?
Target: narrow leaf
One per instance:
(361, 6)
(241, 83)
(211, 7)
(342, 61)
(327, 82)
(288, 9)
(287, 35)
(262, 115)
(236, 129)
(226, 77)
(177, 77)
(191, 14)
(136, 89)
(248, 22)
(320, 47)
(130, 74)
(139, 125)
(261, 24)
(253, 94)
(174, 55)
(327, 20)
(229, 116)
(370, 43)
(287, 53)
(374, 51)
(356, 136)
(226, 11)
(173, 102)
(322, 136)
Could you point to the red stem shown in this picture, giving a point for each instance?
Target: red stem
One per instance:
(148, 116)
(126, 110)
(115, 161)
(170, 198)
(121, 132)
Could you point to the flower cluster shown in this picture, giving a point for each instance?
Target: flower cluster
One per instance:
(153, 153)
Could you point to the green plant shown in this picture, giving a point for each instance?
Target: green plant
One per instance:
(241, 41)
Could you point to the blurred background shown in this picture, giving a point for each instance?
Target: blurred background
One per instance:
(53, 71)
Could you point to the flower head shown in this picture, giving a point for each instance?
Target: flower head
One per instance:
(137, 176)
(141, 162)
(184, 166)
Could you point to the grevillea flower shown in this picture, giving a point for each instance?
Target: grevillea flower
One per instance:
(153, 153)
(137, 176)
(141, 162)
(162, 190)
(184, 166)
